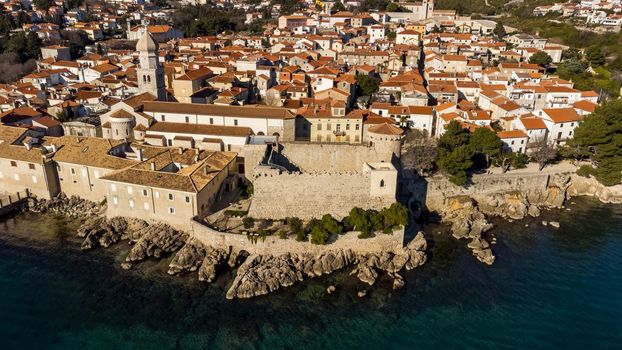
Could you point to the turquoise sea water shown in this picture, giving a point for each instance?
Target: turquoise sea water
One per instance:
(549, 289)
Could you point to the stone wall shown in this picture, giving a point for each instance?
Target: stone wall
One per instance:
(274, 245)
(278, 195)
(435, 190)
(309, 157)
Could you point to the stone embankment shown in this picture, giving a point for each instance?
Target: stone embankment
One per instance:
(510, 197)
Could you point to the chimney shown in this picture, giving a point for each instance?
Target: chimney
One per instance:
(152, 164)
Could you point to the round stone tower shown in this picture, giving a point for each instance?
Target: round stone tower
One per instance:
(386, 138)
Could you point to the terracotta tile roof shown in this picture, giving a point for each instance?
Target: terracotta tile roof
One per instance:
(385, 129)
(202, 129)
(563, 115)
(511, 134)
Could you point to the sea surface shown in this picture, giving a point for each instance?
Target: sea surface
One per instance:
(549, 289)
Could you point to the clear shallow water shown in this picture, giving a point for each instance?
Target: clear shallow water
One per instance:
(548, 289)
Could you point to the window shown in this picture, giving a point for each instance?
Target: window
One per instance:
(328, 126)
(144, 193)
(13, 163)
(130, 190)
(347, 126)
(31, 166)
(211, 120)
(73, 171)
(381, 183)
(34, 179)
(187, 119)
(169, 142)
(163, 117)
(512, 142)
(170, 197)
(131, 203)
(187, 199)
(319, 126)
(235, 122)
(171, 210)
(338, 129)
(356, 127)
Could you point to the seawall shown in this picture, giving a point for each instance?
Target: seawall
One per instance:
(273, 245)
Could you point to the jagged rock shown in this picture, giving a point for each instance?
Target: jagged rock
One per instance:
(237, 257)
(188, 258)
(362, 293)
(69, 206)
(481, 249)
(155, 241)
(367, 274)
(126, 265)
(545, 223)
(212, 263)
(465, 218)
(331, 289)
(533, 211)
(398, 282)
(554, 224)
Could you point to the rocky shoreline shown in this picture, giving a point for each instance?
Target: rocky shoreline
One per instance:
(467, 215)
(260, 274)
(256, 274)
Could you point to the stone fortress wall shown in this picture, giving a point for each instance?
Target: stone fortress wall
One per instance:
(316, 179)
(273, 245)
(278, 195)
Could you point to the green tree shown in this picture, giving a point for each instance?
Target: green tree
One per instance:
(499, 30)
(456, 163)
(455, 153)
(338, 6)
(595, 55)
(366, 85)
(330, 225)
(395, 216)
(572, 54)
(42, 4)
(600, 136)
(486, 142)
(540, 58)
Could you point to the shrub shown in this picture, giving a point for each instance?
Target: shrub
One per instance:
(283, 234)
(586, 170)
(248, 222)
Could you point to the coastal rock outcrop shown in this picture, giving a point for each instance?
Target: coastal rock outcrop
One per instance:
(155, 241)
(584, 186)
(99, 231)
(465, 218)
(189, 258)
(63, 205)
(263, 274)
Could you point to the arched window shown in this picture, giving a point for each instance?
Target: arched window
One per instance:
(381, 183)
(149, 78)
(144, 78)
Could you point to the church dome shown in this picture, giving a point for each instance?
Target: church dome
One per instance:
(146, 43)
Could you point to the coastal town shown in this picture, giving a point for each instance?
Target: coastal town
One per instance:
(303, 122)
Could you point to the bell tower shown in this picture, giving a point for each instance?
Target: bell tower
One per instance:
(150, 73)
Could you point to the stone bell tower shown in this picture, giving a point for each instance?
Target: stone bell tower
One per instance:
(150, 73)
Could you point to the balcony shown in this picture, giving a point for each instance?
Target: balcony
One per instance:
(339, 133)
